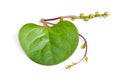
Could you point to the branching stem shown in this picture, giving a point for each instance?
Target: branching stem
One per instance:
(86, 48)
(73, 17)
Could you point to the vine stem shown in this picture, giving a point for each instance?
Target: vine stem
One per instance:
(81, 16)
(45, 23)
(68, 16)
(86, 48)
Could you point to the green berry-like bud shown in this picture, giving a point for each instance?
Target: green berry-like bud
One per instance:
(86, 59)
(68, 66)
(86, 18)
(81, 15)
(83, 46)
(97, 14)
(106, 14)
(61, 18)
(73, 18)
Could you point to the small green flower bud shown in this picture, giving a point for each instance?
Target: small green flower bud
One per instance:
(81, 15)
(83, 46)
(105, 14)
(61, 18)
(97, 14)
(86, 18)
(86, 59)
(68, 66)
(73, 18)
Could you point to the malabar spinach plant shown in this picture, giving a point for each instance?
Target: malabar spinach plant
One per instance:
(50, 44)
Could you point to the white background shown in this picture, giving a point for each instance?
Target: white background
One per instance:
(102, 36)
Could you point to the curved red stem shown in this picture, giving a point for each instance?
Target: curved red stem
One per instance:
(86, 46)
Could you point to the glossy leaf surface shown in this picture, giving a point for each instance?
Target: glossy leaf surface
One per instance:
(49, 46)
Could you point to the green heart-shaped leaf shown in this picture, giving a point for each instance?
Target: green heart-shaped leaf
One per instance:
(49, 46)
